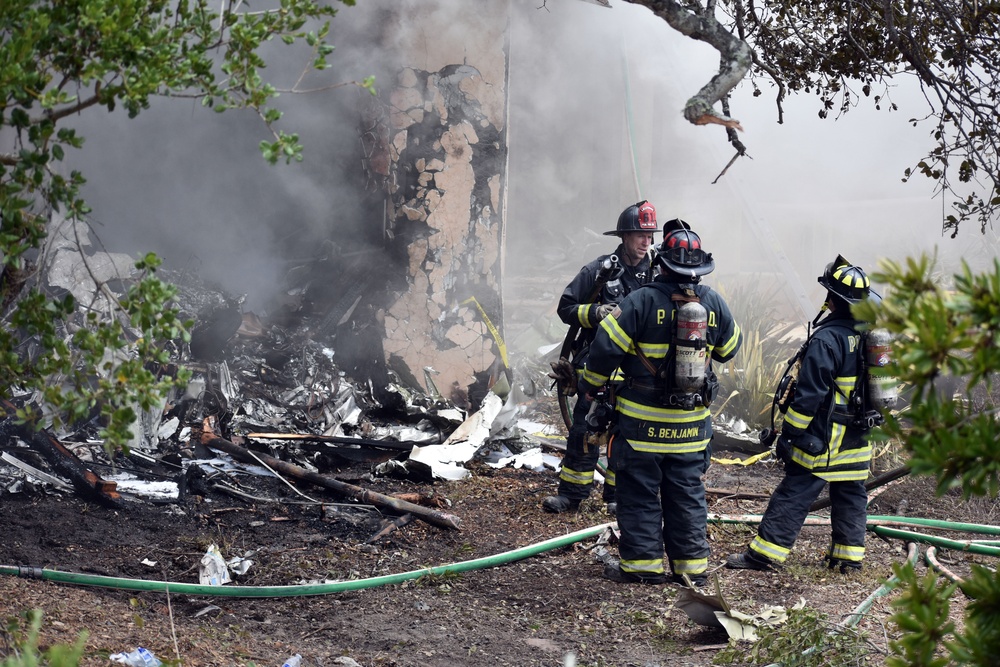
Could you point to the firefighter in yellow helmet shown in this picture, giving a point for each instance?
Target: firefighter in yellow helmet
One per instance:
(822, 441)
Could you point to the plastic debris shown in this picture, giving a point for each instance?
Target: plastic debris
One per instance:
(212, 570)
(140, 657)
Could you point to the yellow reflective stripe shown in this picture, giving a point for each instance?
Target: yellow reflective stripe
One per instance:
(769, 550)
(654, 566)
(836, 439)
(652, 413)
(850, 457)
(593, 378)
(797, 419)
(616, 333)
(693, 566)
(846, 386)
(859, 455)
(576, 476)
(842, 475)
(582, 316)
(654, 350)
(805, 460)
(845, 552)
(674, 448)
(730, 344)
(845, 476)
(609, 478)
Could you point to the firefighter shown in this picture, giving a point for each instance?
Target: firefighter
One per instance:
(821, 441)
(578, 308)
(662, 436)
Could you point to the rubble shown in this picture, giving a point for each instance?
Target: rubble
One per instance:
(266, 391)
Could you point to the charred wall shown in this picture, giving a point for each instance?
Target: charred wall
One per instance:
(438, 147)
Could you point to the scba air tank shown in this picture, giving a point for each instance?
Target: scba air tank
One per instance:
(882, 393)
(690, 347)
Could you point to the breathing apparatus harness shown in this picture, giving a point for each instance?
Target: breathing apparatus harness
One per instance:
(684, 379)
(872, 394)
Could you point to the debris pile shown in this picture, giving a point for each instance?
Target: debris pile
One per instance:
(267, 397)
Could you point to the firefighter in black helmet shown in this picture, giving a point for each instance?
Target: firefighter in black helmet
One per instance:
(820, 440)
(580, 307)
(660, 445)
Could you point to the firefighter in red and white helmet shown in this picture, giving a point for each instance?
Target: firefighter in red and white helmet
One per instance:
(625, 270)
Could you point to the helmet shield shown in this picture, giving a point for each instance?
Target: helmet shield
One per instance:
(681, 252)
(639, 217)
(845, 281)
(673, 226)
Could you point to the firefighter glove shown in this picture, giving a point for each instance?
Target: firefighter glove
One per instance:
(565, 376)
(604, 310)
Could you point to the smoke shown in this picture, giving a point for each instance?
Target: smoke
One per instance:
(594, 125)
(596, 102)
(192, 186)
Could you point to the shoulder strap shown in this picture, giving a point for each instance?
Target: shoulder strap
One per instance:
(684, 294)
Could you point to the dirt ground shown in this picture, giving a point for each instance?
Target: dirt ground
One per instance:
(542, 610)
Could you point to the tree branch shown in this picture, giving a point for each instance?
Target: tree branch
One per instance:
(735, 58)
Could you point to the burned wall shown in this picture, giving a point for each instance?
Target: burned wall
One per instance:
(440, 150)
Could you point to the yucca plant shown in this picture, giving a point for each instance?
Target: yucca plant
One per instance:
(748, 382)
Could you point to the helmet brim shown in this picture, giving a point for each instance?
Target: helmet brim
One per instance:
(843, 297)
(700, 270)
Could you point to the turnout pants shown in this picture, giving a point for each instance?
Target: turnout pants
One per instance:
(661, 506)
(576, 476)
(786, 513)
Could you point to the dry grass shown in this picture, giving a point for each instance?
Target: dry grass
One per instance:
(750, 379)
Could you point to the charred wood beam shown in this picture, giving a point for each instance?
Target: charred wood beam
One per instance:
(64, 462)
(335, 439)
(874, 483)
(389, 527)
(394, 505)
(733, 494)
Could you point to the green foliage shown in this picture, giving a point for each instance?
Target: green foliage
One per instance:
(748, 382)
(59, 59)
(945, 338)
(943, 335)
(807, 639)
(980, 643)
(922, 614)
(929, 638)
(21, 646)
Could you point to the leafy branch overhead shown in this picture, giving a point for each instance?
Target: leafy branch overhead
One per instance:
(843, 51)
(61, 59)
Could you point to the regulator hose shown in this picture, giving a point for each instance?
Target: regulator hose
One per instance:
(301, 590)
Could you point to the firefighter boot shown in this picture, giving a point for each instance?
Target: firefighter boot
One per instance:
(614, 572)
(696, 580)
(847, 567)
(560, 504)
(747, 561)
